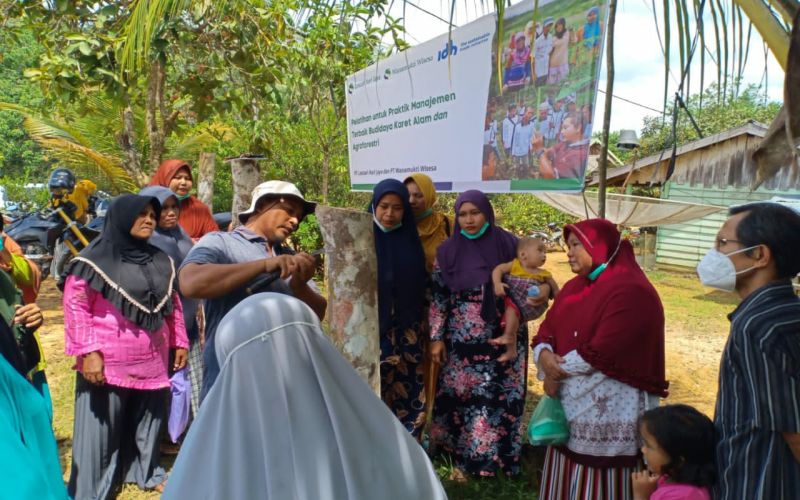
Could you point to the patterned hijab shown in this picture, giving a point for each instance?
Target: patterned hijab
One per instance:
(136, 277)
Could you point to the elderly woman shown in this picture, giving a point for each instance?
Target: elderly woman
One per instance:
(122, 314)
(195, 218)
(480, 401)
(170, 238)
(305, 425)
(401, 293)
(601, 351)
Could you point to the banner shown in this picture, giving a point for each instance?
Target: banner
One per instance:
(473, 112)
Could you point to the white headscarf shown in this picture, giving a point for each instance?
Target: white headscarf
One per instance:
(290, 419)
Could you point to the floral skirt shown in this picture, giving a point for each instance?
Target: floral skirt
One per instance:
(403, 377)
(479, 405)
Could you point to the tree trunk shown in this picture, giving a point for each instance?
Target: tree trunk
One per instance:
(132, 162)
(351, 267)
(159, 124)
(326, 174)
(245, 176)
(205, 183)
(152, 108)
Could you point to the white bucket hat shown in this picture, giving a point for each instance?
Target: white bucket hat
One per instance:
(278, 189)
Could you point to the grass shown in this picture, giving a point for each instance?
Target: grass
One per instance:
(696, 330)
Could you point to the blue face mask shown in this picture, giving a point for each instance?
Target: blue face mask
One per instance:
(384, 228)
(476, 235)
(181, 198)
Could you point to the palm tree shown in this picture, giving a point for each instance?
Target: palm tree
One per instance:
(84, 144)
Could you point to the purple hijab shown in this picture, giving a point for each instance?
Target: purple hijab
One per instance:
(469, 263)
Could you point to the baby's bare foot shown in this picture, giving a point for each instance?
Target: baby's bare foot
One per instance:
(509, 355)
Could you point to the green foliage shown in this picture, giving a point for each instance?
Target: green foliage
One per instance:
(524, 213)
(18, 153)
(308, 238)
(523, 485)
(18, 188)
(715, 110)
(717, 114)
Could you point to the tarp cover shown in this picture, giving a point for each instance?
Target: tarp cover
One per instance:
(629, 210)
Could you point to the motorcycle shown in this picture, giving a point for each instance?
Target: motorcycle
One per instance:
(50, 237)
(553, 238)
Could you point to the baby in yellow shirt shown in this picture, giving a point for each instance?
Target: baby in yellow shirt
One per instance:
(530, 284)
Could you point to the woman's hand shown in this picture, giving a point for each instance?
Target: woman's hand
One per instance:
(181, 356)
(92, 368)
(29, 315)
(551, 364)
(438, 352)
(644, 484)
(551, 387)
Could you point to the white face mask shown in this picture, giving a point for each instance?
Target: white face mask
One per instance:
(716, 269)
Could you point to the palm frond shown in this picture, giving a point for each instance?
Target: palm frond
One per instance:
(763, 18)
(69, 146)
(90, 163)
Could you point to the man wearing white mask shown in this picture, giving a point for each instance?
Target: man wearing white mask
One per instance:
(757, 418)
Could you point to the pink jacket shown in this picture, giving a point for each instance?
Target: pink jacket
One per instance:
(133, 357)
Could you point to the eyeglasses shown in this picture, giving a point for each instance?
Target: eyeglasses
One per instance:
(721, 242)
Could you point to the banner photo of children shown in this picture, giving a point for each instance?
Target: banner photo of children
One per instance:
(542, 94)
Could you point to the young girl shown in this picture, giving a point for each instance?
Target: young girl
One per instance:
(678, 448)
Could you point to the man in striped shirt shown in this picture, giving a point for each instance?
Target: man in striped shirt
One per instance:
(757, 418)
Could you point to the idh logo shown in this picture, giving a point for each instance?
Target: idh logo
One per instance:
(450, 49)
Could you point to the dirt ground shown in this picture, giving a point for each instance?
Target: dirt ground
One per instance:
(696, 330)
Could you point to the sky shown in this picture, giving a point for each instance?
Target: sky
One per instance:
(639, 63)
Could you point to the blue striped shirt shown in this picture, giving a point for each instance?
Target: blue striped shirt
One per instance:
(758, 398)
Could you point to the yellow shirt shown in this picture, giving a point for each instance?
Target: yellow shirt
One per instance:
(519, 271)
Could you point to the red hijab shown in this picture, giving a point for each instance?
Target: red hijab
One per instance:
(195, 217)
(616, 322)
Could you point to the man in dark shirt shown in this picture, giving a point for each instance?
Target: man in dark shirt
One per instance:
(757, 417)
(221, 265)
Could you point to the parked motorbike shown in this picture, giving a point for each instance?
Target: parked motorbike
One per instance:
(50, 237)
(553, 238)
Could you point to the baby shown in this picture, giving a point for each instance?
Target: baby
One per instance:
(524, 270)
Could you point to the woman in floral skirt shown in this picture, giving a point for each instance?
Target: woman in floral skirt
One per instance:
(480, 401)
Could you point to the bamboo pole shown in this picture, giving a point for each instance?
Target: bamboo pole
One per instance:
(602, 167)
